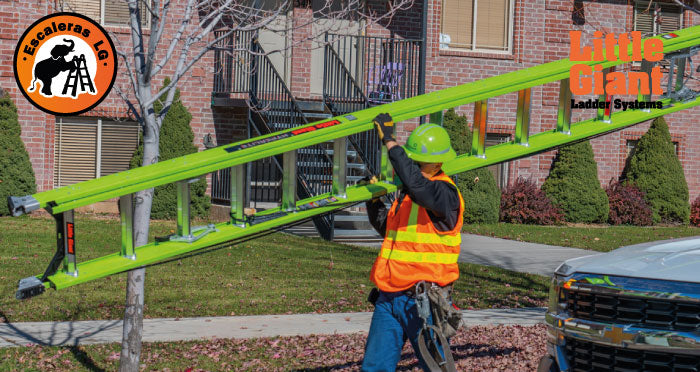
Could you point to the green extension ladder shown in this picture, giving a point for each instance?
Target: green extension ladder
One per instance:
(65, 271)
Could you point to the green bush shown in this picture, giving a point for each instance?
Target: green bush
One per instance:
(573, 185)
(481, 194)
(656, 170)
(176, 139)
(16, 173)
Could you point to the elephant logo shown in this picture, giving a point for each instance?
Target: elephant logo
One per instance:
(65, 64)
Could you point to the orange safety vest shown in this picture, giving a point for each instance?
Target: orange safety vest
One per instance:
(414, 250)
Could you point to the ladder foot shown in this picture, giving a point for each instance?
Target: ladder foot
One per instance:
(21, 205)
(29, 287)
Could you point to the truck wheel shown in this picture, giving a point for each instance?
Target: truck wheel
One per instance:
(547, 364)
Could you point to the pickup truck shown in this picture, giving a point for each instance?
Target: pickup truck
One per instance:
(636, 308)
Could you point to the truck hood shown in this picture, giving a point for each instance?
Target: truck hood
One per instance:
(676, 259)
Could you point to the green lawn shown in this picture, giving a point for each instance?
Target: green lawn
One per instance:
(275, 274)
(601, 238)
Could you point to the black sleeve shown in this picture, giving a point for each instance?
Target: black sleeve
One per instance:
(377, 212)
(438, 197)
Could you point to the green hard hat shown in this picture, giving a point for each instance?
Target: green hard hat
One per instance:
(429, 143)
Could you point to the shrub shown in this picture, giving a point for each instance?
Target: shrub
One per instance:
(524, 202)
(478, 187)
(627, 205)
(695, 212)
(16, 173)
(176, 139)
(573, 185)
(656, 170)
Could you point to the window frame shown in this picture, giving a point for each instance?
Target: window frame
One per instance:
(473, 48)
(97, 123)
(639, 4)
(102, 21)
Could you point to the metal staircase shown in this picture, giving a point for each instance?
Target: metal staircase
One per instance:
(273, 108)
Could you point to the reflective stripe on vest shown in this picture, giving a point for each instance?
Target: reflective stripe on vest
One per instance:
(416, 237)
(423, 257)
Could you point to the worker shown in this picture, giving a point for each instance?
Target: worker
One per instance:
(421, 240)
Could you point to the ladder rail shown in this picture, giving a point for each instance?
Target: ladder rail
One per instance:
(190, 166)
(155, 252)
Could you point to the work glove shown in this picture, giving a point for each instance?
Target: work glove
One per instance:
(385, 127)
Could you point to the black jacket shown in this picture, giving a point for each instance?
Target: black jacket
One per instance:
(439, 198)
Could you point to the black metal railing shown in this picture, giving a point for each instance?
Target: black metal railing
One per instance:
(385, 69)
(274, 108)
(232, 60)
(361, 71)
(342, 95)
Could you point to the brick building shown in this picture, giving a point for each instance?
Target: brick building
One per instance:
(352, 66)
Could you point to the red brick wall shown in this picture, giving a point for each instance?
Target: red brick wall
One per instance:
(38, 128)
(541, 35)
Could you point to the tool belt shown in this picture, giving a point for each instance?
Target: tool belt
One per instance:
(431, 299)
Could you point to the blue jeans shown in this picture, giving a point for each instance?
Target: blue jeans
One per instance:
(395, 319)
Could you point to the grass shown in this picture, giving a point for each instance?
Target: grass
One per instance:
(275, 274)
(602, 238)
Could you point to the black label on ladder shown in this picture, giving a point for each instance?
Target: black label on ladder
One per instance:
(280, 136)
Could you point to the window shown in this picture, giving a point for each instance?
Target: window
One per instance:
(500, 170)
(632, 145)
(108, 12)
(477, 24)
(87, 148)
(659, 18)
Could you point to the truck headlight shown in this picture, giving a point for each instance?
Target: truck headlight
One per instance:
(563, 270)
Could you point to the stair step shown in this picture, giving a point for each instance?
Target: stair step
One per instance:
(316, 116)
(306, 150)
(310, 116)
(321, 164)
(350, 236)
(350, 217)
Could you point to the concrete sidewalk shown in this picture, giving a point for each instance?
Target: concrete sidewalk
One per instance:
(517, 256)
(105, 331)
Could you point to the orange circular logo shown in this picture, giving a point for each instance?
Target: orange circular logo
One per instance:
(65, 64)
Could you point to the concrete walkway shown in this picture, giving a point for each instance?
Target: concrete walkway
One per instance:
(105, 331)
(514, 255)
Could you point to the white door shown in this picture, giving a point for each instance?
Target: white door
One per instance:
(350, 48)
(274, 39)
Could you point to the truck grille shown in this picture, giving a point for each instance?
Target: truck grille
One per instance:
(650, 313)
(589, 357)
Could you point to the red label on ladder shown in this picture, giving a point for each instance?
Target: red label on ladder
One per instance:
(70, 238)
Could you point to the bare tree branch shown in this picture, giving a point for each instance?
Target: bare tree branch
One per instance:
(176, 39)
(158, 22)
(129, 104)
(688, 7)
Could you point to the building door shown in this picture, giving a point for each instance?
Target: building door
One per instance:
(350, 49)
(275, 40)
(500, 170)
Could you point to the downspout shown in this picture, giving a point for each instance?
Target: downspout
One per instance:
(423, 52)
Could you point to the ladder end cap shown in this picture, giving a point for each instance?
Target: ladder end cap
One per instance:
(20, 205)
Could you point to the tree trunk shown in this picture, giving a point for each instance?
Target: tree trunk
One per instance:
(133, 314)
